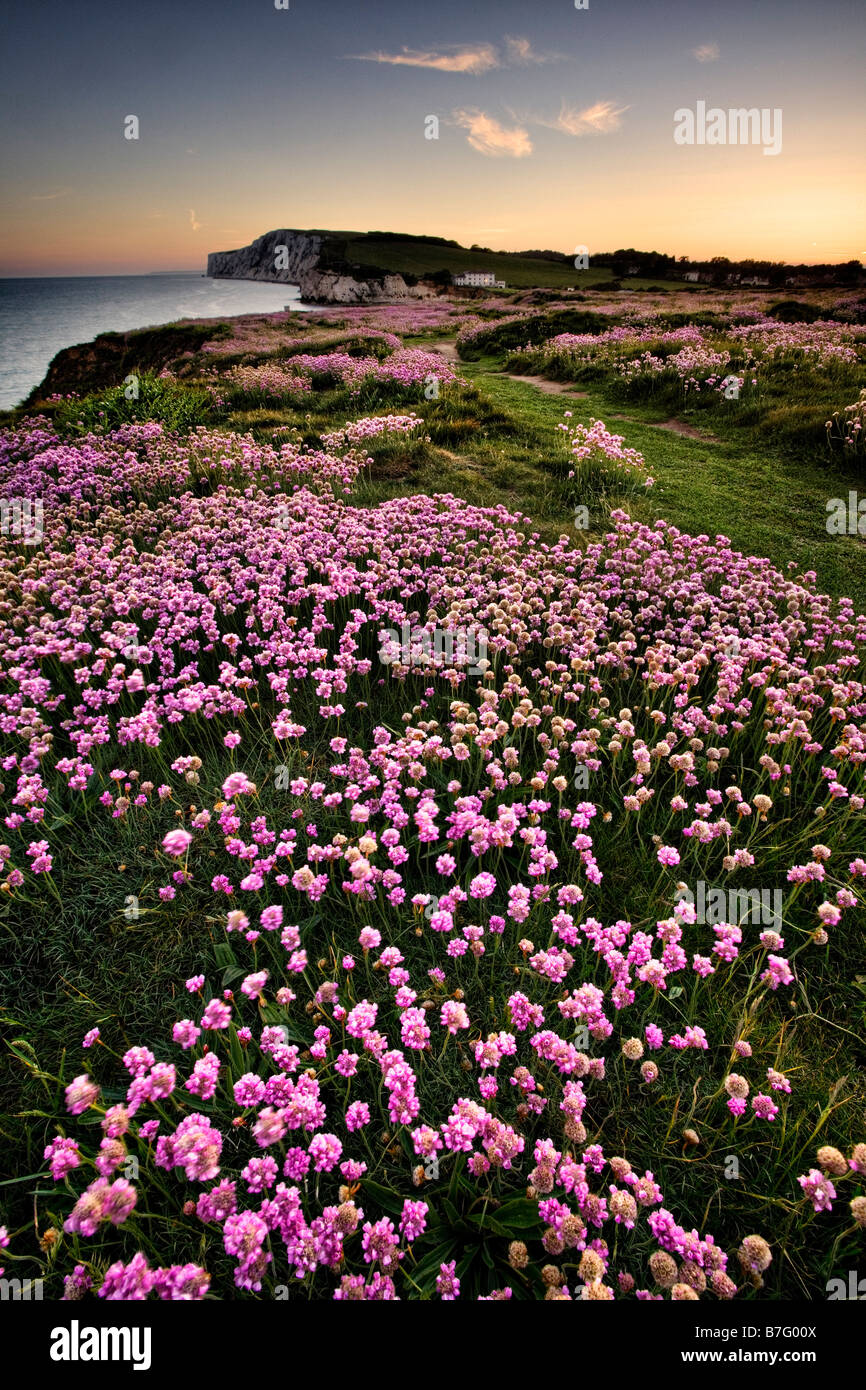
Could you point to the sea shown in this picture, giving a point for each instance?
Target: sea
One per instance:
(40, 316)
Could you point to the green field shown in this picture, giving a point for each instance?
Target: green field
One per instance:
(423, 258)
(419, 257)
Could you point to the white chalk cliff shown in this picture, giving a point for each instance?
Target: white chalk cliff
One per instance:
(297, 254)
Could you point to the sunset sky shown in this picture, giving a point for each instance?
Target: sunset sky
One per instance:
(555, 127)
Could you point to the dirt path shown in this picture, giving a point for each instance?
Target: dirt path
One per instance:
(676, 426)
(561, 388)
(446, 348)
(541, 383)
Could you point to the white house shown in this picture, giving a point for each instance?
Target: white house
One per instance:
(478, 279)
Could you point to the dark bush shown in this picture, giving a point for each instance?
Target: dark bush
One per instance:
(501, 338)
(794, 311)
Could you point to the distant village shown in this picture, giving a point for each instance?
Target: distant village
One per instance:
(721, 271)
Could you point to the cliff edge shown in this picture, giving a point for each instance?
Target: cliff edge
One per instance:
(308, 259)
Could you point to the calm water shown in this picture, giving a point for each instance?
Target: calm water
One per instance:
(38, 317)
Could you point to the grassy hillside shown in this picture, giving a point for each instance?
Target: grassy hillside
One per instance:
(420, 257)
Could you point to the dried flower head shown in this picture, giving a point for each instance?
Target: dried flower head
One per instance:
(518, 1255)
(663, 1269)
(832, 1161)
(858, 1211)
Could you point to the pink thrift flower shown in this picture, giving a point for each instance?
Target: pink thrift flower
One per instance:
(62, 1155)
(818, 1188)
(447, 1283)
(764, 1107)
(177, 842)
(81, 1094)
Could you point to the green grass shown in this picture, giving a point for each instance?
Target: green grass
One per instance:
(788, 409)
(146, 397)
(766, 501)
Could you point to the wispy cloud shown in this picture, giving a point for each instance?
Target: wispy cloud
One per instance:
(520, 51)
(47, 197)
(489, 137)
(600, 119)
(706, 52)
(473, 58)
(192, 220)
